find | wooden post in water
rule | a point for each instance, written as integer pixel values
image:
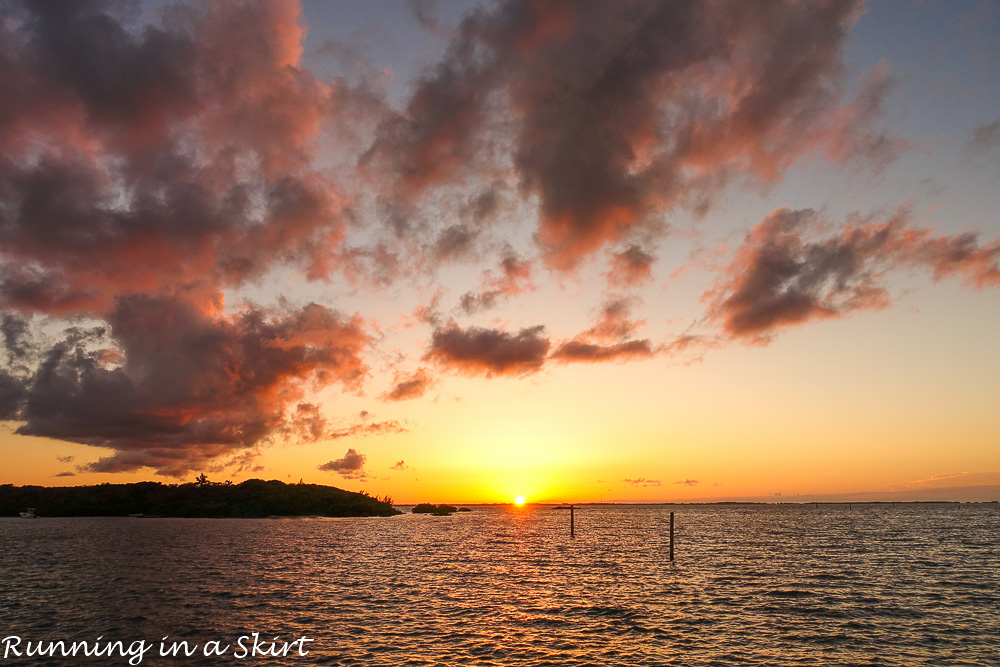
(572, 527)
(671, 536)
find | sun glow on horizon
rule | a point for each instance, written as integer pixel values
(519, 500)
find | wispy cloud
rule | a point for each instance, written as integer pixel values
(786, 273)
(641, 481)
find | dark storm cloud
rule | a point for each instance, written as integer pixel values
(622, 110)
(15, 336)
(351, 466)
(31, 289)
(174, 155)
(142, 171)
(489, 352)
(12, 391)
(782, 275)
(192, 385)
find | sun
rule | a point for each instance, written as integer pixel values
(519, 500)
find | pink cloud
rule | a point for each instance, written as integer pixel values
(191, 386)
(489, 352)
(786, 274)
(407, 387)
(608, 339)
(677, 101)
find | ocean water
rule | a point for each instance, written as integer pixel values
(751, 585)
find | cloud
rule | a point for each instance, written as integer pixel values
(15, 335)
(778, 278)
(575, 350)
(454, 242)
(951, 480)
(408, 387)
(178, 154)
(489, 352)
(514, 279)
(984, 138)
(143, 171)
(853, 137)
(65, 459)
(784, 274)
(423, 12)
(607, 340)
(615, 323)
(351, 466)
(67, 473)
(616, 113)
(149, 170)
(192, 386)
(630, 267)
(371, 428)
(687, 482)
(641, 481)
(400, 465)
(12, 391)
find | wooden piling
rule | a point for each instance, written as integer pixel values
(572, 527)
(671, 536)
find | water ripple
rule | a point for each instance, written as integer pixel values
(753, 585)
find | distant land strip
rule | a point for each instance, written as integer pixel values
(254, 498)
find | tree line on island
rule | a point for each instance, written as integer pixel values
(254, 498)
(438, 510)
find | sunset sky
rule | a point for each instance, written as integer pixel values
(575, 251)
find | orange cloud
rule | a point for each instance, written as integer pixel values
(782, 275)
(678, 101)
(191, 387)
(489, 352)
(181, 156)
(608, 339)
(409, 387)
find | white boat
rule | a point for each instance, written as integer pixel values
(29, 513)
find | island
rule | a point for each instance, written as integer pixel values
(436, 510)
(254, 498)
